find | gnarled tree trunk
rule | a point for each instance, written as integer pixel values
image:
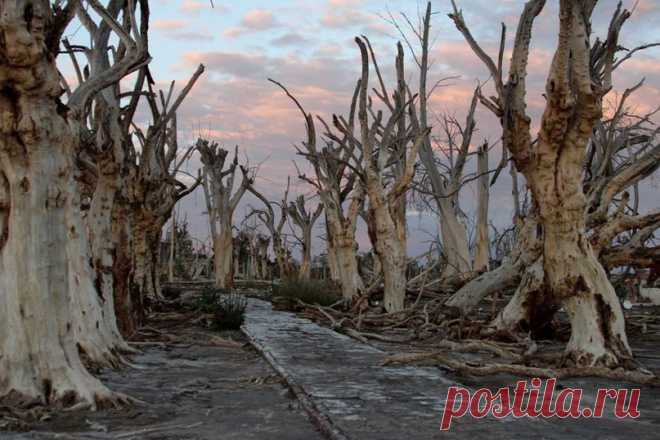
(41, 223)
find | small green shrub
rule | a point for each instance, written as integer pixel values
(230, 312)
(209, 299)
(323, 293)
(227, 308)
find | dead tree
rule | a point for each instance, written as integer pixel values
(50, 308)
(445, 186)
(221, 202)
(334, 181)
(154, 185)
(379, 150)
(305, 221)
(443, 176)
(100, 156)
(567, 271)
(275, 227)
(482, 252)
(263, 243)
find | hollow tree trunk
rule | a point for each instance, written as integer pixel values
(580, 283)
(531, 308)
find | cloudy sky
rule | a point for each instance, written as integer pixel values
(308, 45)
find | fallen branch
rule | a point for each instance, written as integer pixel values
(479, 369)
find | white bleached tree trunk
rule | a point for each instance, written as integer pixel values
(275, 228)
(342, 199)
(388, 226)
(221, 204)
(445, 188)
(572, 276)
(331, 252)
(44, 283)
(305, 221)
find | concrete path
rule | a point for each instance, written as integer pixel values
(191, 392)
(349, 395)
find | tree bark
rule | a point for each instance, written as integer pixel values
(349, 276)
(41, 224)
(482, 255)
(454, 241)
(223, 256)
(146, 255)
(390, 251)
(129, 306)
(331, 251)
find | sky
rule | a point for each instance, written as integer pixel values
(309, 46)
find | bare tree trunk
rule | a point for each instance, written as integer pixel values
(223, 259)
(42, 277)
(102, 248)
(305, 221)
(454, 241)
(129, 307)
(92, 305)
(508, 274)
(281, 257)
(146, 237)
(500, 279)
(306, 262)
(347, 266)
(391, 254)
(482, 256)
(580, 75)
(333, 266)
(263, 243)
(218, 184)
(170, 262)
(580, 283)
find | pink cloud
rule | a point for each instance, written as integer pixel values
(259, 19)
(194, 7)
(169, 25)
(256, 20)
